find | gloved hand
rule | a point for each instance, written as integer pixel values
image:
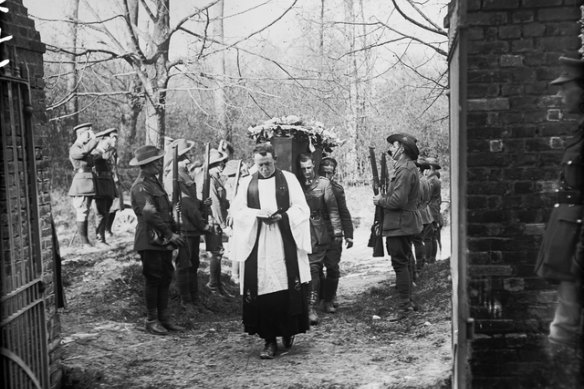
(207, 202)
(338, 239)
(349, 242)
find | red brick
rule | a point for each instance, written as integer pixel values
(533, 29)
(500, 4)
(508, 60)
(486, 18)
(540, 3)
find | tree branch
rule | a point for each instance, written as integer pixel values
(149, 11)
(188, 17)
(415, 22)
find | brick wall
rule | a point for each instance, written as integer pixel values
(25, 51)
(515, 135)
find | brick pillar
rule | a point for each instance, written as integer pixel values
(25, 51)
(515, 135)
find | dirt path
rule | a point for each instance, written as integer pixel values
(106, 347)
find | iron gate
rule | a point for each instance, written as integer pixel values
(24, 349)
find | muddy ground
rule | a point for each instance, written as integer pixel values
(105, 345)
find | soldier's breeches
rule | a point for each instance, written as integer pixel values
(102, 205)
(400, 250)
(316, 260)
(566, 327)
(157, 269)
(82, 205)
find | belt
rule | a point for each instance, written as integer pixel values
(104, 174)
(573, 197)
(83, 170)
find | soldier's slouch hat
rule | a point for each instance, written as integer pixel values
(146, 154)
(408, 142)
(433, 162)
(572, 69)
(422, 162)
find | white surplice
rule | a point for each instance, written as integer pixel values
(272, 275)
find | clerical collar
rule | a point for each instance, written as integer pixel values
(260, 177)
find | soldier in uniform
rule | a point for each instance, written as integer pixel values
(217, 220)
(155, 238)
(561, 256)
(325, 225)
(83, 186)
(402, 219)
(434, 206)
(118, 203)
(191, 225)
(327, 169)
(423, 240)
(105, 190)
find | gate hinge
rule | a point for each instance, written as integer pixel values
(470, 325)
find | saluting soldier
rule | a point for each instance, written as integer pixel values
(434, 206)
(402, 219)
(561, 257)
(325, 225)
(328, 169)
(155, 238)
(83, 186)
(105, 188)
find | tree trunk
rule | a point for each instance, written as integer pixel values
(352, 114)
(219, 98)
(72, 79)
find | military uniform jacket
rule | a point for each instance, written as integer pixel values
(345, 215)
(401, 216)
(84, 180)
(435, 198)
(104, 179)
(218, 194)
(153, 211)
(324, 212)
(424, 201)
(561, 256)
(191, 218)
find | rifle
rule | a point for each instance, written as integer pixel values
(206, 180)
(376, 238)
(237, 176)
(176, 195)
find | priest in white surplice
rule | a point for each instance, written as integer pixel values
(271, 234)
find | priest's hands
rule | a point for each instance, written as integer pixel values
(269, 217)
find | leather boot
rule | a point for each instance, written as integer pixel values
(312, 315)
(182, 283)
(215, 284)
(193, 285)
(82, 231)
(164, 318)
(330, 292)
(154, 327)
(110, 222)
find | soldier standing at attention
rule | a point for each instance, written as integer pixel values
(83, 186)
(105, 187)
(402, 219)
(118, 203)
(434, 206)
(155, 238)
(561, 256)
(217, 220)
(423, 240)
(191, 225)
(325, 225)
(328, 169)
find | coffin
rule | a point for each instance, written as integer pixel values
(288, 148)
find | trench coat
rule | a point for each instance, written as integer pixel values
(400, 204)
(325, 221)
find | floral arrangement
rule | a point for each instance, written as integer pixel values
(293, 126)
